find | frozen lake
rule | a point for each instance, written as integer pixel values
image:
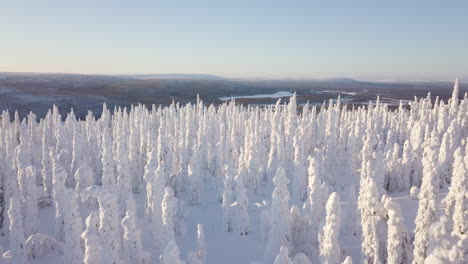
(273, 95)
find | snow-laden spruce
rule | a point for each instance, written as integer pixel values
(428, 200)
(330, 251)
(249, 182)
(92, 241)
(280, 232)
(398, 243)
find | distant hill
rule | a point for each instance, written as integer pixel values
(174, 76)
(342, 80)
(39, 91)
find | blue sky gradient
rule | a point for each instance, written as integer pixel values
(362, 39)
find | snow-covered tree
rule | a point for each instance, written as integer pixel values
(79, 157)
(169, 207)
(348, 260)
(265, 224)
(428, 202)
(330, 251)
(228, 200)
(280, 233)
(368, 203)
(201, 243)
(456, 201)
(353, 213)
(46, 171)
(454, 100)
(301, 258)
(315, 214)
(399, 242)
(283, 256)
(300, 171)
(109, 216)
(298, 230)
(414, 192)
(59, 177)
(240, 207)
(31, 222)
(109, 226)
(157, 188)
(195, 175)
(92, 241)
(126, 180)
(171, 254)
(73, 228)
(16, 235)
(132, 236)
(192, 258)
(84, 178)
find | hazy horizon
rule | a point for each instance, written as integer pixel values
(209, 75)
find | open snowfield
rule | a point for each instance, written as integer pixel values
(234, 184)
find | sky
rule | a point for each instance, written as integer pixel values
(361, 39)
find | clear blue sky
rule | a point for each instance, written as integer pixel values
(363, 39)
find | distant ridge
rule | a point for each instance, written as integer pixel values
(174, 76)
(188, 76)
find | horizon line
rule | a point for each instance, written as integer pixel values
(378, 80)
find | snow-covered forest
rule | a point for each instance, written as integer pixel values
(238, 184)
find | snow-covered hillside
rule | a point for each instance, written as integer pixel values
(233, 184)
